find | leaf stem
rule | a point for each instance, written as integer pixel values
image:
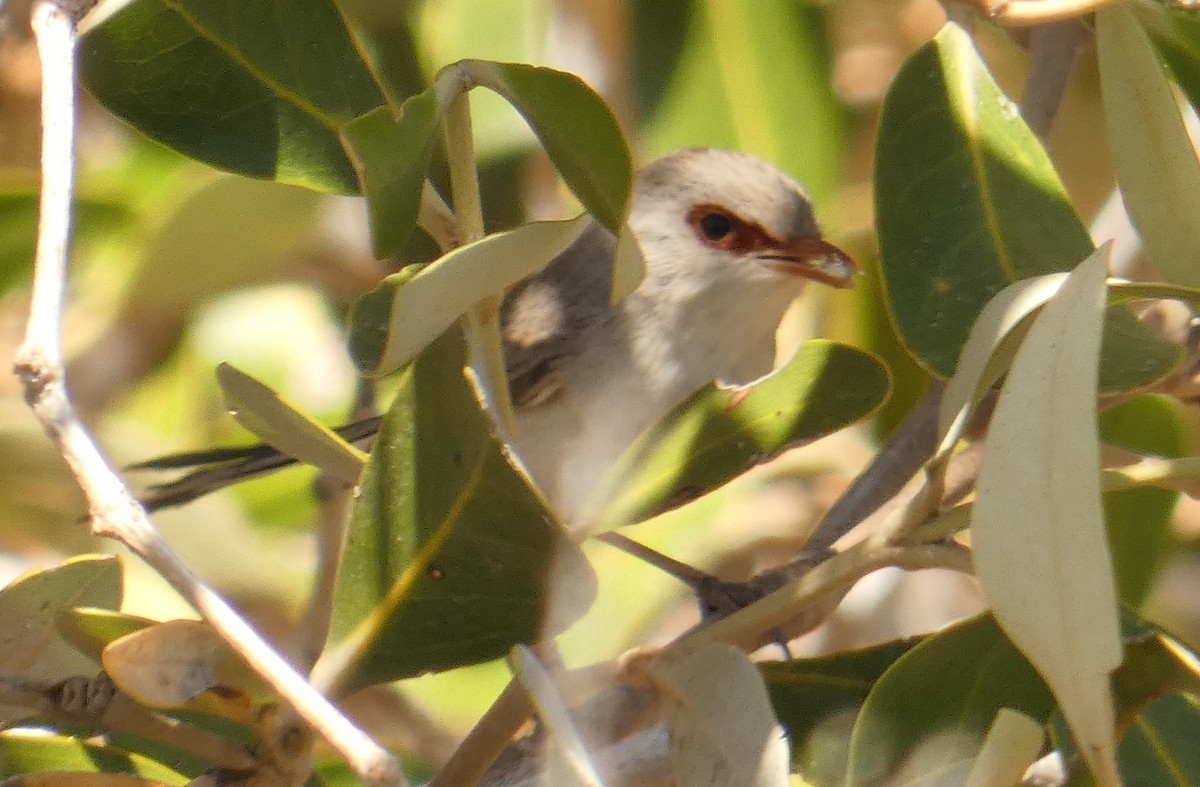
(483, 319)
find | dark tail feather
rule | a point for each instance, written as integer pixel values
(222, 467)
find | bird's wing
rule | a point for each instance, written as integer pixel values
(546, 316)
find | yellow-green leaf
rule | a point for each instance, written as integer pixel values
(275, 421)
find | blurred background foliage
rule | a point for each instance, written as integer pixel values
(178, 267)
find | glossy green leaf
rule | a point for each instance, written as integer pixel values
(1176, 34)
(282, 425)
(1139, 520)
(258, 87)
(967, 202)
(452, 558)
(816, 700)
(394, 322)
(1037, 527)
(30, 644)
(576, 128)
(719, 433)
(1155, 160)
(24, 752)
(391, 156)
(384, 34)
(929, 712)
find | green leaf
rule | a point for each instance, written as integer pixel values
(282, 425)
(576, 128)
(752, 75)
(1160, 746)
(89, 629)
(452, 558)
(816, 701)
(1139, 520)
(1155, 161)
(391, 156)
(394, 322)
(24, 752)
(719, 433)
(929, 712)
(967, 202)
(259, 87)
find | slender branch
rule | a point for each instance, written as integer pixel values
(1056, 48)
(831, 578)
(490, 735)
(113, 511)
(483, 319)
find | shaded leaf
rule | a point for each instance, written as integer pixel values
(1039, 546)
(816, 701)
(930, 711)
(718, 433)
(1160, 746)
(394, 322)
(89, 629)
(30, 644)
(280, 424)
(574, 125)
(1139, 520)
(452, 558)
(391, 156)
(259, 87)
(1155, 161)
(967, 203)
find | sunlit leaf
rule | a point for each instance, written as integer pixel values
(718, 433)
(167, 664)
(967, 202)
(90, 629)
(927, 715)
(452, 557)
(1038, 536)
(24, 752)
(1156, 163)
(391, 324)
(722, 731)
(260, 87)
(280, 424)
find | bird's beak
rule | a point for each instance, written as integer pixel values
(813, 258)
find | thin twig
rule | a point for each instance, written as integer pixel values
(113, 511)
(1056, 48)
(490, 735)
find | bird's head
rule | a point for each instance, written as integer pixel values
(707, 217)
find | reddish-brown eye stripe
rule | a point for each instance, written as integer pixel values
(744, 236)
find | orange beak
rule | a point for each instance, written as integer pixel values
(813, 258)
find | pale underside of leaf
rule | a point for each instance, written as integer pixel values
(429, 302)
(1038, 533)
(1012, 743)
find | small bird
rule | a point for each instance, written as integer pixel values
(729, 241)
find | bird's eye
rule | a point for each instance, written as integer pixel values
(715, 226)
